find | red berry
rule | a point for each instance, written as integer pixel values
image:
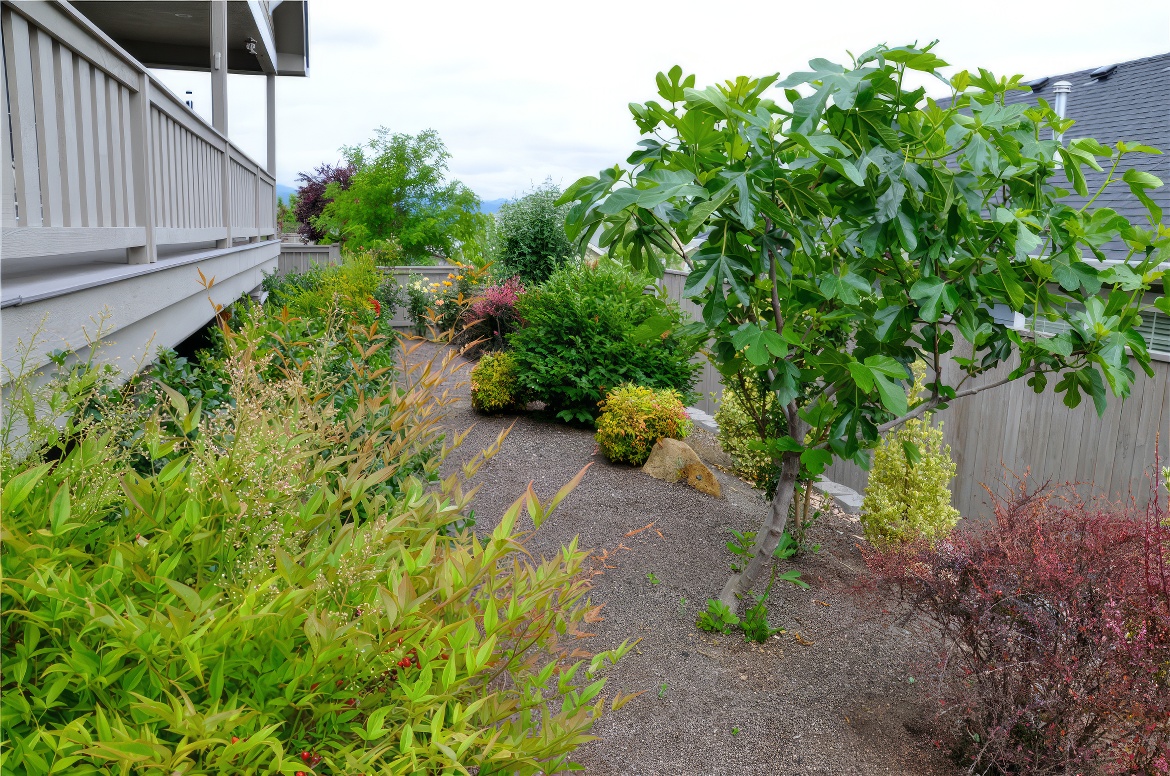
(300, 773)
(235, 739)
(314, 687)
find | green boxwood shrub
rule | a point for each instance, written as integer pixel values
(494, 386)
(633, 418)
(588, 330)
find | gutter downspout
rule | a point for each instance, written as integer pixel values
(1060, 92)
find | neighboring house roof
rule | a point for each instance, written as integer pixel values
(1131, 103)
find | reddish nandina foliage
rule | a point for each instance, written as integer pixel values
(1056, 626)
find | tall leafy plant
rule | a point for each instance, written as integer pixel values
(530, 235)
(850, 225)
(399, 189)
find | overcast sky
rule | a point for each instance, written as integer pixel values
(524, 91)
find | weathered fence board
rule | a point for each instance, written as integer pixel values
(295, 257)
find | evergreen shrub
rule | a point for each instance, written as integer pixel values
(588, 330)
(262, 602)
(633, 418)
(494, 385)
(739, 408)
(908, 495)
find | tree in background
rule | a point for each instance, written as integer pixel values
(311, 199)
(530, 239)
(399, 190)
(853, 226)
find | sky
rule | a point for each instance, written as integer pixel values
(525, 91)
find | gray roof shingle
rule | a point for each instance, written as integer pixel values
(1131, 104)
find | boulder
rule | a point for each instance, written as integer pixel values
(672, 460)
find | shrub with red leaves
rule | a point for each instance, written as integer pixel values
(1056, 633)
(492, 313)
(311, 199)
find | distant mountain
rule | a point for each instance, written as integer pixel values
(283, 192)
(491, 205)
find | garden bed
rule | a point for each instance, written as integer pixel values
(835, 694)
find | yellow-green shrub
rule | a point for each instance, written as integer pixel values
(261, 603)
(633, 418)
(738, 429)
(493, 384)
(907, 500)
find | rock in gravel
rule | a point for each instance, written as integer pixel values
(672, 460)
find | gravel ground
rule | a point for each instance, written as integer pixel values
(832, 695)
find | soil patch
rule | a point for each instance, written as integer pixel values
(835, 694)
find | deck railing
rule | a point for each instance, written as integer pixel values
(103, 156)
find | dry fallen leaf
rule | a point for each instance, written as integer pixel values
(640, 530)
(801, 639)
(822, 603)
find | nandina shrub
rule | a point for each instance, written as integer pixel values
(633, 418)
(1055, 622)
(261, 604)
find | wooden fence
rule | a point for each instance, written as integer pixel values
(104, 157)
(1013, 429)
(297, 257)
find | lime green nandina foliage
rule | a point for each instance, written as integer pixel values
(589, 329)
(399, 190)
(849, 225)
(263, 605)
(494, 384)
(633, 418)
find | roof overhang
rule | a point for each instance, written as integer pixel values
(176, 34)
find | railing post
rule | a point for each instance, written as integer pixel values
(256, 206)
(143, 172)
(219, 115)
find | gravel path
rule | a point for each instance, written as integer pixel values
(833, 695)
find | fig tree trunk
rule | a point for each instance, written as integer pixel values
(769, 535)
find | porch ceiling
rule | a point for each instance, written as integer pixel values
(176, 34)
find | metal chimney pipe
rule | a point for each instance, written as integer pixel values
(1060, 92)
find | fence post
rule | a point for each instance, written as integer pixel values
(142, 168)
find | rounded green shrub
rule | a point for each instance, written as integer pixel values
(633, 418)
(494, 387)
(588, 330)
(738, 429)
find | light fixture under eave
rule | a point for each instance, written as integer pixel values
(1101, 73)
